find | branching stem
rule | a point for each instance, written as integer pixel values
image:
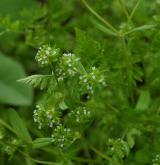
(99, 17)
(134, 9)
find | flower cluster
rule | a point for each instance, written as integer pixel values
(67, 66)
(11, 145)
(118, 148)
(45, 116)
(156, 160)
(46, 55)
(62, 137)
(64, 67)
(80, 114)
(91, 80)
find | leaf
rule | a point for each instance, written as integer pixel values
(41, 142)
(14, 7)
(3, 32)
(141, 28)
(81, 68)
(41, 81)
(87, 48)
(18, 126)
(102, 28)
(62, 105)
(131, 136)
(144, 100)
(12, 92)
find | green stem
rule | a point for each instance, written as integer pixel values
(128, 67)
(100, 154)
(37, 161)
(99, 17)
(83, 160)
(7, 126)
(134, 9)
(112, 108)
(54, 73)
(124, 9)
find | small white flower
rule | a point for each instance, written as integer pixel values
(93, 68)
(47, 52)
(85, 80)
(93, 77)
(61, 145)
(80, 77)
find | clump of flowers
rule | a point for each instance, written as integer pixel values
(46, 55)
(80, 114)
(45, 116)
(117, 149)
(91, 80)
(62, 136)
(156, 160)
(65, 67)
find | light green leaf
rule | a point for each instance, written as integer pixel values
(131, 136)
(144, 100)
(18, 126)
(81, 68)
(141, 28)
(41, 81)
(41, 142)
(11, 91)
(62, 105)
(102, 28)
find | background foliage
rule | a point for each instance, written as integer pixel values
(121, 38)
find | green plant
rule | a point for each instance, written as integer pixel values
(97, 98)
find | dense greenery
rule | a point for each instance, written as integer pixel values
(80, 82)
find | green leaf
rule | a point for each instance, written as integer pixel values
(62, 105)
(102, 28)
(144, 100)
(81, 69)
(87, 48)
(18, 126)
(41, 142)
(14, 7)
(131, 136)
(141, 28)
(41, 81)
(11, 91)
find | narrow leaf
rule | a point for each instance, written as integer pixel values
(102, 28)
(18, 126)
(144, 100)
(41, 142)
(141, 28)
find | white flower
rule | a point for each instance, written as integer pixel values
(94, 77)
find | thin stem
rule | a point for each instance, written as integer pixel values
(134, 9)
(83, 160)
(54, 73)
(112, 107)
(7, 126)
(38, 161)
(124, 9)
(98, 16)
(100, 154)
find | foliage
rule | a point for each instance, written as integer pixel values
(95, 73)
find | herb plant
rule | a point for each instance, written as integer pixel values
(96, 90)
